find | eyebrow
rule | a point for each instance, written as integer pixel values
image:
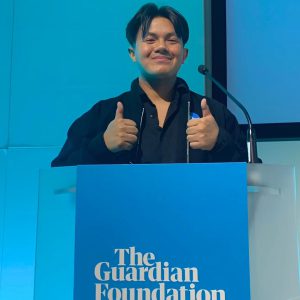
(168, 35)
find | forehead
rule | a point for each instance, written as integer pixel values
(161, 26)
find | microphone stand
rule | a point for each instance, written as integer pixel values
(251, 136)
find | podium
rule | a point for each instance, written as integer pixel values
(198, 231)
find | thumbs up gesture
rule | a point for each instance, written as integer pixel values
(202, 133)
(121, 134)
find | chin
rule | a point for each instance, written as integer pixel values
(162, 74)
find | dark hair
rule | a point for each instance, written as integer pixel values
(143, 18)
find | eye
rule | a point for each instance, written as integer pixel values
(173, 41)
(149, 40)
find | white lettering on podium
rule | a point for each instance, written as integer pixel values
(133, 266)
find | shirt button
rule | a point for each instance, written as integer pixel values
(151, 116)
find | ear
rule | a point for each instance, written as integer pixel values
(132, 54)
(185, 54)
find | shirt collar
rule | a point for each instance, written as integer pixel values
(181, 87)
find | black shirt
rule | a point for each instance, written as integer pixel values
(85, 143)
(163, 144)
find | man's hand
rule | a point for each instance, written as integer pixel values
(121, 134)
(202, 133)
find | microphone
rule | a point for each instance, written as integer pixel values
(251, 136)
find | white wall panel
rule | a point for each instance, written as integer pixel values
(282, 153)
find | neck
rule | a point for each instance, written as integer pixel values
(158, 89)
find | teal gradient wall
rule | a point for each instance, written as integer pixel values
(57, 59)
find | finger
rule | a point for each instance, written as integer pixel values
(119, 111)
(131, 130)
(123, 127)
(130, 138)
(196, 145)
(193, 122)
(197, 126)
(205, 109)
(127, 146)
(193, 137)
(194, 130)
(128, 122)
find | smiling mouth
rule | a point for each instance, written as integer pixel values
(162, 58)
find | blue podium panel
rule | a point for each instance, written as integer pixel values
(162, 232)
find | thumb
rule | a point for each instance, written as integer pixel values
(119, 111)
(205, 109)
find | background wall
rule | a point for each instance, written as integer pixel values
(57, 59)
(263, 45)
(263, 70)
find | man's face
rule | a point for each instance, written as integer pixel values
(160, 53)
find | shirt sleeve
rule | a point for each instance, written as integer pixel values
(85, 143)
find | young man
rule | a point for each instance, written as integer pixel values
(152, 122)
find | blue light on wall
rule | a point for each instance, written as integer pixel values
(58, 59)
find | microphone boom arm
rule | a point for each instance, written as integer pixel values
(251, 136)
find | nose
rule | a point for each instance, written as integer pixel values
(161, 46)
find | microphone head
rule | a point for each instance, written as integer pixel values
(202, 69)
